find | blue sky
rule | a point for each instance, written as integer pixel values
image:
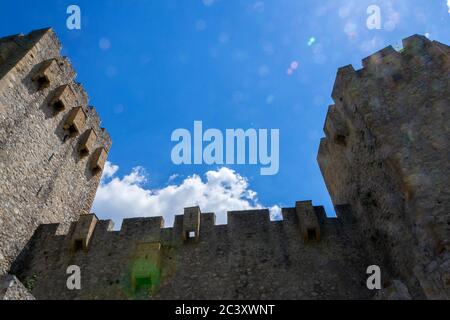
(151, 67)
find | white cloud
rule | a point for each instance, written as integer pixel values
(448, 5)
(220, 191)
(109, 170)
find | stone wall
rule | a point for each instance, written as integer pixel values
(249, 258)
(47, 173)
(386, 155)
(385, 162)
(12, 289)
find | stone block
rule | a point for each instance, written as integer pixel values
(87, 142)
(191, 224)
(98, 160)
(46, 74)
(307, 218)
(76, 121)
(83, 231)
(62, 98)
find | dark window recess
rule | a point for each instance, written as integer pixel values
(340, 140)
(397, 77)
(58, 106)
(84, 152)
(72, 131)
(78, 245)
(96, 170)
(312, 235)
(42, 82)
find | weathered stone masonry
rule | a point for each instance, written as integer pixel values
(251, 257)
(385, 160)
(50, 141)
(387, 155)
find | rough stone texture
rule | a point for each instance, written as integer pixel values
(249, 258)
(43, 177)
(386, 156)
(385, 160)
(396, 291)
(12, 289)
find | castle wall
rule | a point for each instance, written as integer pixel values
(44, 176)
(249, 258)
(384, 159)
(386, 156)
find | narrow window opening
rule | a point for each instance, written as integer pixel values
(78, 245)
(96, 170)
(43, 82)
(58, 106)
(340, 140)
(397, 77)
(312, 235)
(190, 235)
(84, 152)
(73, 131)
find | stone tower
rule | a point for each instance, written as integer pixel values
(386, 156)
(52, 150)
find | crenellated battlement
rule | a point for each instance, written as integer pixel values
(384, 72)
(196, 251)
(388, 67)
(193, 226)
(384, 154)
